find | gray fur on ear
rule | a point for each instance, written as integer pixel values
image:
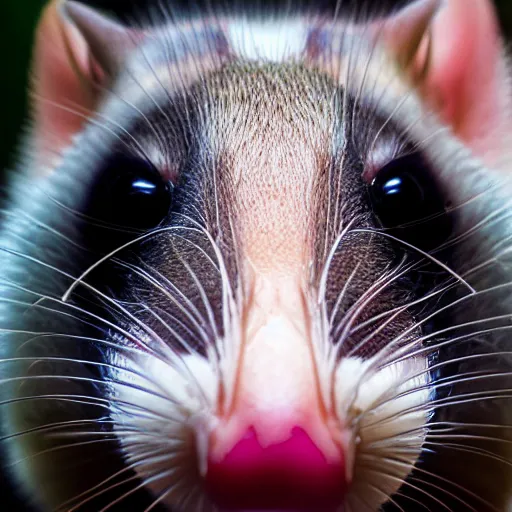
(109, 42)
(405, 32)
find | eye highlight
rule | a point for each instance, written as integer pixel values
(131, 193)
(406, 199)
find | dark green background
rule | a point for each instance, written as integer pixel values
(17, 21)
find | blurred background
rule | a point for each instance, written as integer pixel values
(18, 19)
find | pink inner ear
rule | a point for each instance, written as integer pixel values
(57, 83)
(466, 78)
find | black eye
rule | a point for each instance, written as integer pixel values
(131, 193)
(406, 199)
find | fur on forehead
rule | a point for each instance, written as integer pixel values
(269, 169)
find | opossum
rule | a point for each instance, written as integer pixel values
(261, 262)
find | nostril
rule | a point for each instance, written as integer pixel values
(291, 475)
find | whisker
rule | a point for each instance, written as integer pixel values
(97, 494)
(126, 469)
(184, 344)
(362, 303)
(423, 253)
(204, 296)
(415, 501)
(461, 399)
(399, 462)
(100, 294)
(384, 495)
(144, 460)
(95, 122)
(108, 256)
(392, 343)
(122, 331)
(59, 448)
(469, 449)
(342, 294)
(402, 308)
(159, 499)
(414, 487)
(439, 384)
(87, 339)
(142, 485)
(74, 317)
(324, 273)
(191, 312)
(92, 380)
(56, 426)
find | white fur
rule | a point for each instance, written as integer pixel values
(385, 445)
(178, 421)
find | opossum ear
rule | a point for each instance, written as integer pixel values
(406, 35)
(458, 67)
(76, 50)
(108, 41)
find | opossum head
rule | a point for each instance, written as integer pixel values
(262, 265)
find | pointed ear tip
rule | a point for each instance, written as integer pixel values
(416, 14)
(425, 3)
(71, 8)
(78, 13)
(426, 6)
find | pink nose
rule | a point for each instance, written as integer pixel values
(292, 475)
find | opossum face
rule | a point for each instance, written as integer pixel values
(261, 267)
